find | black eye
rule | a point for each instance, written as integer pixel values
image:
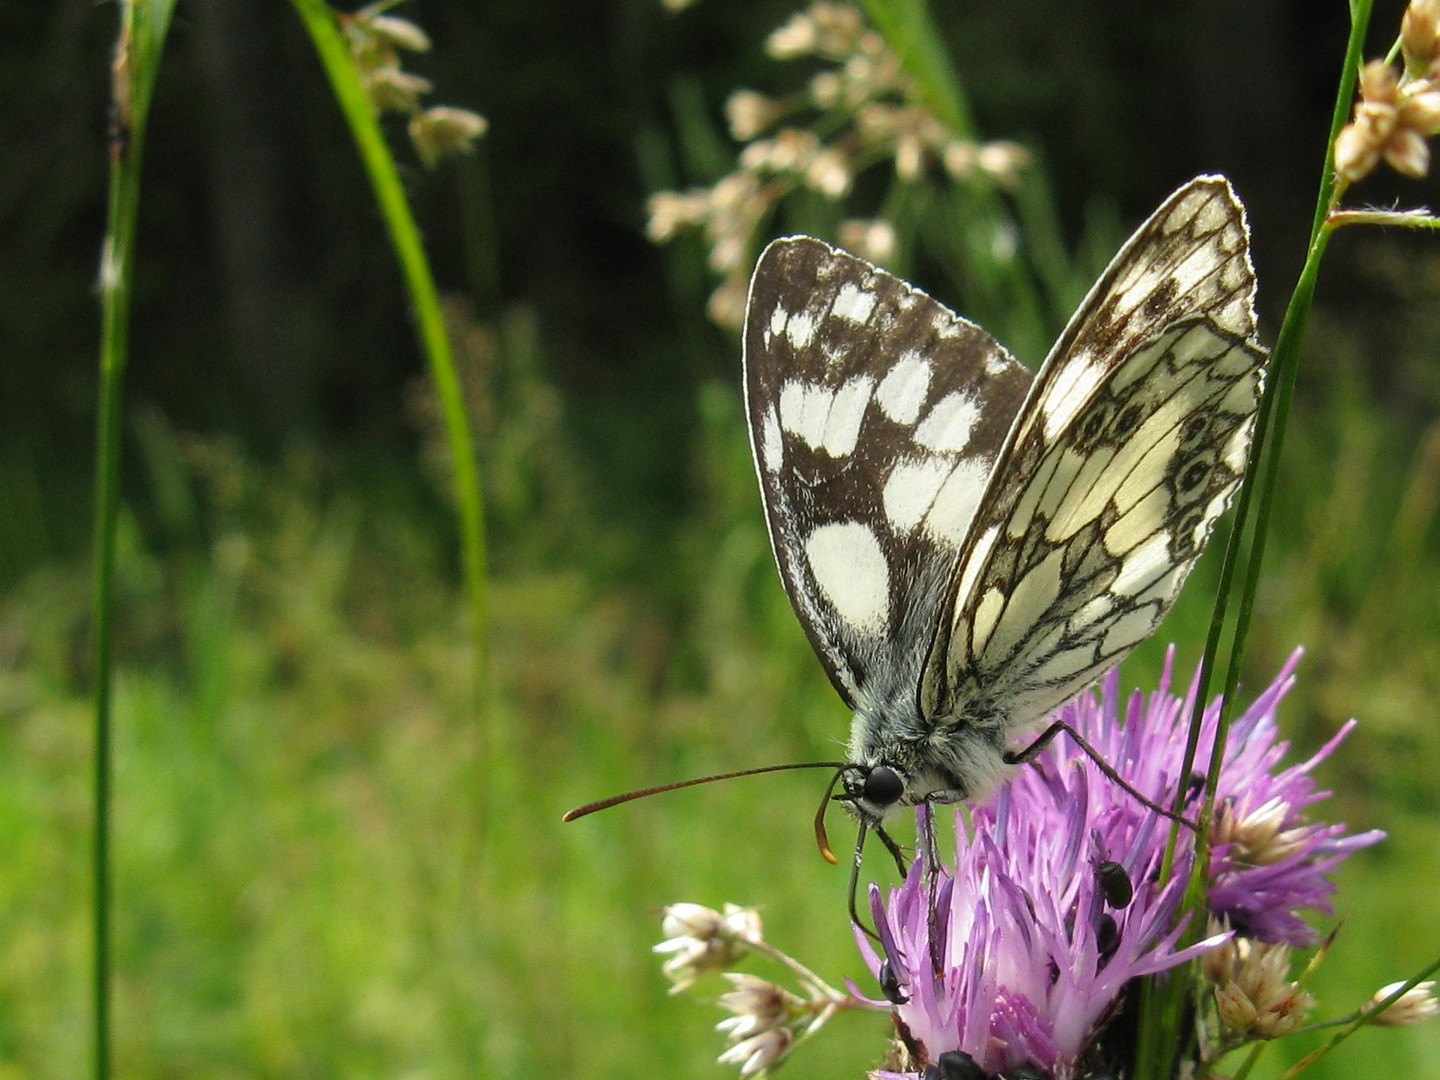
(882, 786)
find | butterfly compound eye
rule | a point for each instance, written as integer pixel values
(883, 786)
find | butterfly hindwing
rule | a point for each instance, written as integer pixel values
(875, 418)
(1127, 449)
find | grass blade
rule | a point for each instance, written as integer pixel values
(143, 27)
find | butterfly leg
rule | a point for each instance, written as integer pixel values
(896, 852)
(930, 848)
(855, 880)
(1031, 752)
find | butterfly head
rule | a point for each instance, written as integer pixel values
(900, 760)
(873, 792)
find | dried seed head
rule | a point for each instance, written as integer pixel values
(798, 37)
(1254, 996)
(792, 150)
(393, 90)
(1378, 82)
(1412, 1007)
(1420, 35)
(1394, 116)
(726, 306)
(749, 113)
(1356, 152)
(734, 194)
(909, 156)
(671, 210)
(1003, 161)
(1407, 153)
(759, 1006)
(759, 1051)
(702, 940)
(1218, 965)
(826, 89)
(1237, 1012)
(1258, 837)
(960, 158)
(871, 112)
(401, 33)
(727, 252)
(442, 131)
(1420, 109)
(839, 29)
(829, 173)
(873, 239)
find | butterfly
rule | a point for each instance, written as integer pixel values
(967, 547)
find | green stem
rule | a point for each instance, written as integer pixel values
(143, 27)
(976, 215)
(320, 22)
(1285, 363)
(1364, 1017)
(912, 35)
(1251, 1060)
(1162, 1003)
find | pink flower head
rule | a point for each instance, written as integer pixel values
(1033, 958)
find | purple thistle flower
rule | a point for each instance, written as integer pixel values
(1033, 960)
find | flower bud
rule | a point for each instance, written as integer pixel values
(442, 131)
(1407, 152)
(1420, 35)
(1412, 1007)
(401, 33)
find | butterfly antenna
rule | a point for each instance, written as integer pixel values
(631, 796)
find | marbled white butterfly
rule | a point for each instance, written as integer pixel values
(968, 548)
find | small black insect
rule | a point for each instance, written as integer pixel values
(890, 985)
(1114, 884)
(1107, 937)
(954, 1065)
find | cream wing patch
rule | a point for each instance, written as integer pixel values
(901, 393)
(950, 423)
(851, 570)
(826, 419)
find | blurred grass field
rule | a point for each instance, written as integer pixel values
(330, 863)
(327, 868)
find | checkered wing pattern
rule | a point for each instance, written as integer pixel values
(876, 416)
(1129, 446)
(967, 548)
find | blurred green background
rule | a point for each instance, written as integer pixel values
(327, 863)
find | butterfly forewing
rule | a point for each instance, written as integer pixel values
(1128, 447)
(875, 419)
